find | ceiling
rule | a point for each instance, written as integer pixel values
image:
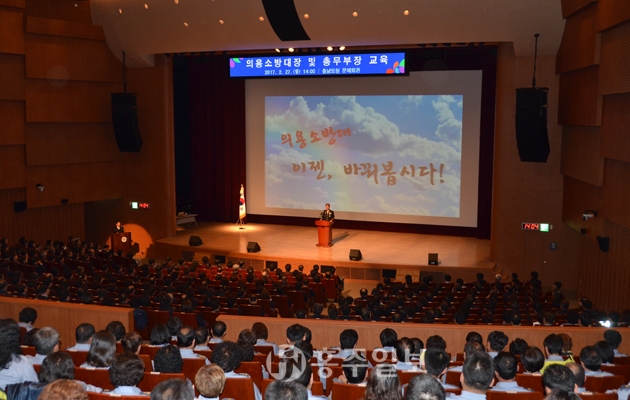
(143, 28)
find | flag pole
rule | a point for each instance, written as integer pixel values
(242, 211)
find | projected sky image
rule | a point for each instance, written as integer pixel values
(390, 154)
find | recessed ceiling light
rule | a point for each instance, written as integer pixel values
(277, 50)
(291, 49)
(305, 16)
(176, 1)
(185, 23)
(342, 48)
(329, 48)
(406, 12)
(261, 18)
(146, 6)
(354, 14)
(221, 21)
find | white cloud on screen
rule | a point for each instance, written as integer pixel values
(450, 128)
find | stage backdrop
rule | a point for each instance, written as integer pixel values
(211, 142)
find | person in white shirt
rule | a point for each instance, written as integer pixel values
(102, 350)
(436, 363)
(497, 341)
(173, 389)
(210, 382)
(202, 335)
(477, 376)
(388, 338)
(354, 370)
(506, 366)
(228, 356)
(218, 332)
(27, 318)
(46, 341)
(126, 371)
(580, 378)
(14, 367)
(592, 361)
(186, 344)
(558, 376)
(614, 338)
(83, 335)
(262, 334)
(404, 351)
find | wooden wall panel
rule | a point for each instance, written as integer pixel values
(55, 27)
(11, 77)
(578, 197)
(579, 102)
(579, 47)
(11, 32)
(12, 167)
(612, 13)
(13, 3)
(616, 192)
(614, 73)
(39, 224)
(571, 6)
(51, 101)
(580, 154)
(70, 58)
(75, 11)
(615, 132)
(604, 277)
(12, 122)
(76, 182)
(57, 143)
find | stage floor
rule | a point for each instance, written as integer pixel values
(403, 252)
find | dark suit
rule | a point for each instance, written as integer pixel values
(327, 215)
(119, 230)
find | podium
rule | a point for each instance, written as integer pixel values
(121, 241)
(324, 233)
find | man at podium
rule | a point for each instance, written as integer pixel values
(327, 214)
(119, 228)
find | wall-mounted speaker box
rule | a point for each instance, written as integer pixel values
(195, 241)
(389, 273)
(433, 258)
(531, 124)
(125, 121)
(355, 255)
(19, 206)
(327, 268)
(604, 243)
(271, 265)
(253, 247)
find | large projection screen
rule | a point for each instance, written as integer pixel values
(383, 149)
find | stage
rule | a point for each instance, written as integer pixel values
(403, 252)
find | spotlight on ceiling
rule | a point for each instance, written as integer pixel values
(277, 50)
(329, 48)
(291, 50)
(342, 48)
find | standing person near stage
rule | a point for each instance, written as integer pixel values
(327, 214)
(118, 228)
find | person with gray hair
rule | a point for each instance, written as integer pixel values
(173, 389)
(286, 390)
(46, 341)
(424, 387)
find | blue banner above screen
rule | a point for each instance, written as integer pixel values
(283, 66)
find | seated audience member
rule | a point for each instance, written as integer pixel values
(210, 381)
(168, 360)
(64, 389)
(126, 371)
(217, 332)
(186, 344)
(477, 375)
(173, 389)
(474, 336)
(262, 334)
(383, 384)
(46, 341)
(567, 347)
(131, 342)
(388, 338)
(592, 361)
(117, 328)
(553, 351)
(14, 367)
(560, 394)
(436, 363)
(285, 390)
(295, 333)
(102, 350)
(83, 335)
(348, 339)
(580, 377)
(202, 335)
(606, 351)
(160, 336)
(505, 368)
(518, 346)
(470, 347)
(27, 318)
(27, 338)
(558, 376)
(424, 387)
(404, 351)
(302, 374)
(614, 338)
(354, 370)
(174, 324)
(497, 341)
(228, 356)
(533, 360)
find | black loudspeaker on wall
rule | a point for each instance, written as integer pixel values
(253, 247)
(355, 254)
(433, 259)
(195, 241)
(531, 124)
(19, 206)
(604, 243)
(125, 121)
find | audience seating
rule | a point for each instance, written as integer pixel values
(98, 377)
(491, 395)
(253, 369)
(78, 357)
(341, 391)
(600, 384)
(531, 381)
(108, 396)
(405, 376)
(148, 365)
(239, 389)
(191, 366)
(621, 361)
(28, 350)
(151, 379)
(151, 351)
(452, 377)
(623, 370)
(598, 396)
